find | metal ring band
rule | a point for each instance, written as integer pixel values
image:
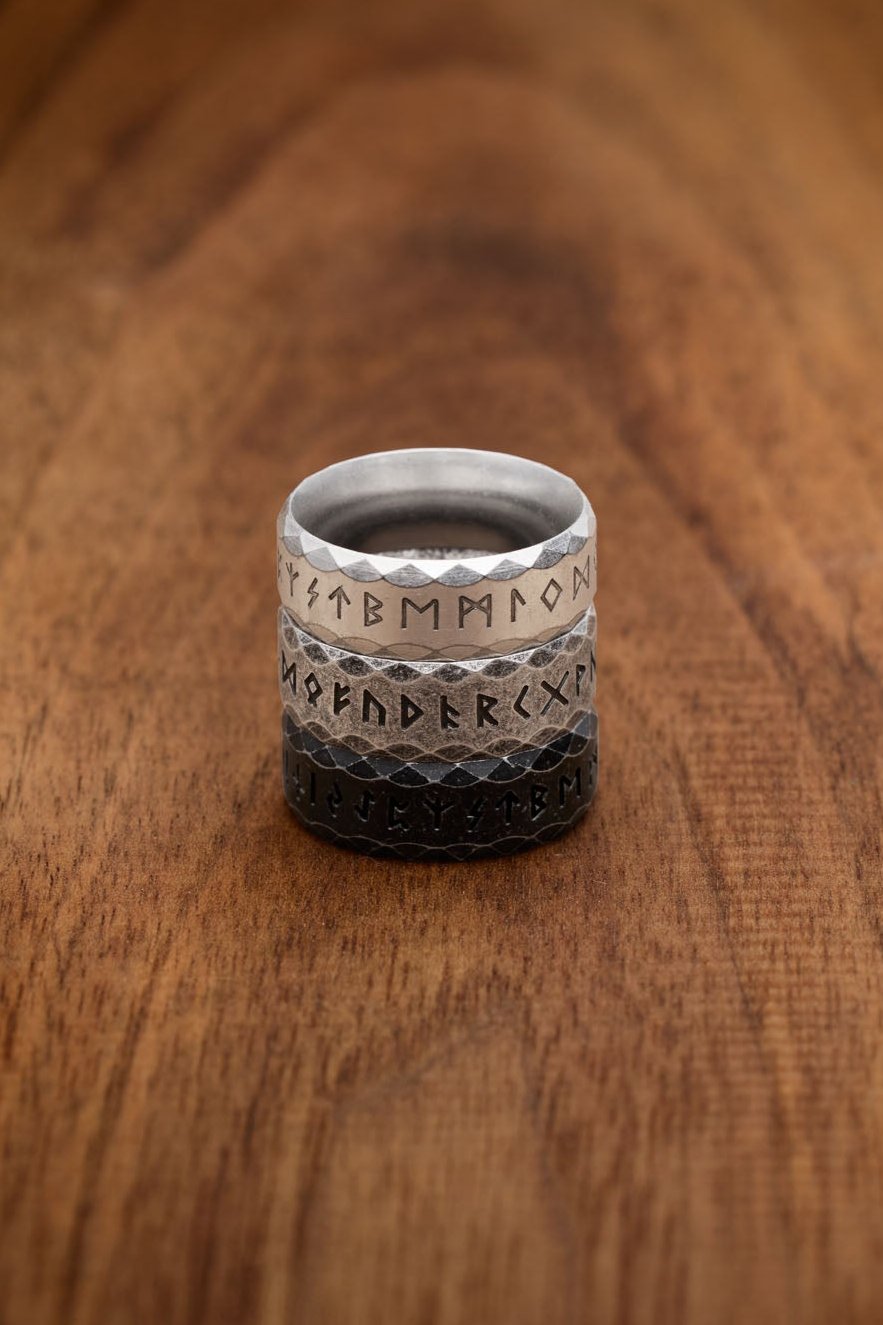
(423, 554)
(437, 810)
(437, 710)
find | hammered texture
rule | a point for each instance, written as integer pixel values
(440, 710)
(432, 809)
(427, 772)
(455, 851)
(412, 573)
(437, 703)
(472, 618)
(453, 752)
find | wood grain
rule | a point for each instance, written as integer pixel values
(635, 1077)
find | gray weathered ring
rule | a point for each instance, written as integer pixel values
(519, 537)
(437, 710)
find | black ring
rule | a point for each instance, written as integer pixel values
(437, 810)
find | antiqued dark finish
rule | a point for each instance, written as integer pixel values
(632, 1077)
(437, 810)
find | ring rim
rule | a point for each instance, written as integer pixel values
(326, 554)
(462, 605)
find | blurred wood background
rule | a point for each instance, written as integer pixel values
(635, 1077)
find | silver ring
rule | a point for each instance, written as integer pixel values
(437, 710)
(436, 553)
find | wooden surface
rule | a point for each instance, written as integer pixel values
(635, 1077)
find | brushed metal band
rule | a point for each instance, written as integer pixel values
(447, 711)
(436, 553)
(433, 810)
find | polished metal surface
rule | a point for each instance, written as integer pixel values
(436, 553)
(437, 653)
(437, 709)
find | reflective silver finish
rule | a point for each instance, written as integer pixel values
(436, 553)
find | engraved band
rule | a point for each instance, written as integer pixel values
(436, 553)
(432, 809)
(437, 710)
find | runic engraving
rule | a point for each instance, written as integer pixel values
(313, 591)
(411, 712)
(359, 801)
(514, 599)
(550, 595)
(340, 595)
(554, 693)
(474, 813)
(507, 803)
(363, 807)
(581, 577)
(289, 674)
(484, 605)
(432, 604)
(396, 812)
(295, 774)
(578, 679)
(372, 609)
(518, 706)
(341, 693)
(278, 565)
(483, 706)
(565, 784)
(370, 701)
(313, 687)
(448, 714)
(437, 807)
(292, 576)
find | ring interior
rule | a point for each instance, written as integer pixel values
(436, 502)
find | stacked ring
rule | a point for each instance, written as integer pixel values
(438, 710)
(435, 809)
(436, 668)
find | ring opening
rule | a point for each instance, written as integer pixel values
(436, 502)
